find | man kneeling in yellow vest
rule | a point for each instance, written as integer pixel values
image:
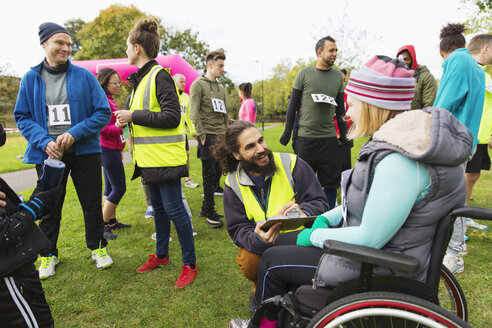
(261, 184)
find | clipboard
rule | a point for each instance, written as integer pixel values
(289, 223)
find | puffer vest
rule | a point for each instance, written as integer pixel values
(416, 235)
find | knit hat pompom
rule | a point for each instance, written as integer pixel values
(383, 82)
(47, 30)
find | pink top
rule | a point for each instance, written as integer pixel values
(247, 112)
(110, 134)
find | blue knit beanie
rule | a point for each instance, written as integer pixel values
(46, 30)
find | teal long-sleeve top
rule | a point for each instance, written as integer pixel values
(398, 184)
(462, 89)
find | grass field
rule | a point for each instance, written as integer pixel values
(82, 296)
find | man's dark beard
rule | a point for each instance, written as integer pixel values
(251, 167)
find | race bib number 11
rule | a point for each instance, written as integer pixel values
(59, 114)
(319, 97)
(218, 105)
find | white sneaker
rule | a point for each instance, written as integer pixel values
(154, 237)
(190, 184)
(101, 257)
(47, 267)
(455, 264)
(194, 231)
(149, 213)
(475, 225)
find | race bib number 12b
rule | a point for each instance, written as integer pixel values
(59, 114)
(218, 105)
(319, 97)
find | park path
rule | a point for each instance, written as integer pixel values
(26, 179)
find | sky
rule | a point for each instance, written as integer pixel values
(257, 35)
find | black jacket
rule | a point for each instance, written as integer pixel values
(168, 118)
(20, 238)
(309, 196)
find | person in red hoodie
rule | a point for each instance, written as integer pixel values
(112, 144)
(425, 83)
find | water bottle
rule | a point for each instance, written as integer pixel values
(51, 173)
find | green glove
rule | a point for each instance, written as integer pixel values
(304, 238)
(321, 222)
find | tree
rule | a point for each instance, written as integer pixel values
(73, 26)
(105, 36)
(187, 45)
(478, 13)
(9, 88)
(351, 40)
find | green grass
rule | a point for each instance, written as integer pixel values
(82, 296)
(15, 146)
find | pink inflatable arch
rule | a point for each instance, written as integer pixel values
(174, 62)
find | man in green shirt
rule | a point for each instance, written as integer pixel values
(317, 94)
(208, 111)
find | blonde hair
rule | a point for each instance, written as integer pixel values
(370, 120)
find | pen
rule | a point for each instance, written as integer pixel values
(293, 196)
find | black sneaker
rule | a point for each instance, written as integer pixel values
(119, 225)
(108, 234)
(215, 222)
(215, 214)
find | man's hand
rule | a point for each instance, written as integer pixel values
(65, 141)
(270, 235)
(123, 116)
(52, 150)
(2, 202)
(289, 206)
(120, 125)
(490, 142)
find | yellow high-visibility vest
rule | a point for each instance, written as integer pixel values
(280, 193)
(155, 147)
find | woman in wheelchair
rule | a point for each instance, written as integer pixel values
(408, 175)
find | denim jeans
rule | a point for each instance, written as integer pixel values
(167, 201)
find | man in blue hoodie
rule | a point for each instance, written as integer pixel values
(60, 110)
(462, 92)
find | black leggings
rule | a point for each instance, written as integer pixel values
(282, 267)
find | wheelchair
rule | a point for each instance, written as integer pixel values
(381, 301)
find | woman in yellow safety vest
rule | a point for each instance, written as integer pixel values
(158, 143)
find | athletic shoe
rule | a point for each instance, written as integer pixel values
(475, 225)
(154, 237)
(152, 263)
(219, 191)
(150, 212)
(215, 222)
(194, 231)
(108, 234)
(455, 264)
(119, 225)
(186, 277)
(466, 238)
(239, 323)
(202, 214)
(190, 184)
(102, 259)
(47, 267)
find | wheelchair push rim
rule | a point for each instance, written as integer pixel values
(384, 310)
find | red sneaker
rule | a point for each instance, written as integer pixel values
(152, 263)
(186, 277)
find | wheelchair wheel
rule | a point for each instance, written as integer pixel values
(384, 310)
(451, 296)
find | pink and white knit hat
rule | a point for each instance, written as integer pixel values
(383, 82)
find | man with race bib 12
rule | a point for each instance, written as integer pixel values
(208, 112)
(317, 93)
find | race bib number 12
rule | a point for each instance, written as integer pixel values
(59, 114)
(218, 105)
(319, 97)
